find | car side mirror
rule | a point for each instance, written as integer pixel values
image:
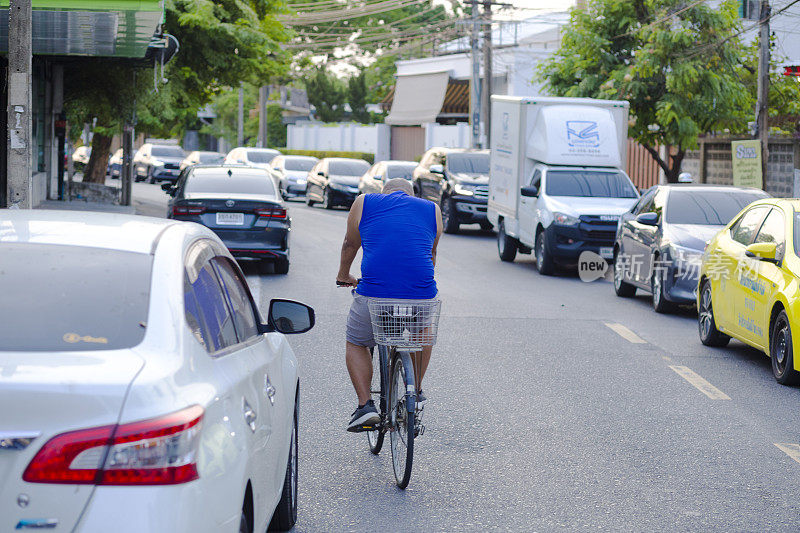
(647, 219)
(288, 317)
(531, 191)
(437, 169)
(320, 173)
(763, 251)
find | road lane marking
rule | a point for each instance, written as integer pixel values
(625, 333)
(699, 383)
(665, 358)
(790, 449)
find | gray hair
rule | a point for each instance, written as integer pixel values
(398, 184)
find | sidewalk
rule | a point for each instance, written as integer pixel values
(80, 205)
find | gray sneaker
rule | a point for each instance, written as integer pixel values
(365, 418)
(421, 399)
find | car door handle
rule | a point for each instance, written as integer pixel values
(250, 415)
(269, 390)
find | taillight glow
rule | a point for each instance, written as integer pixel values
(270, 212)
(160, 451)
(187, 210)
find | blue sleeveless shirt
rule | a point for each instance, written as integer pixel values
(397, 234)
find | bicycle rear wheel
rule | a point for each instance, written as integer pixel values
(402, 419)
(375, 438)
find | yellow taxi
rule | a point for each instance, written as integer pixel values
(748, 284)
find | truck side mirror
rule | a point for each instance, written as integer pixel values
(437, 169)
(531, 191)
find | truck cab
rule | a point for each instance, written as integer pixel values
(556, 184)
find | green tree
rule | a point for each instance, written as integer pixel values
(222, 42)
(276, 129)
(679, 65)
(357, 98)
(784, 92)
(326, 93)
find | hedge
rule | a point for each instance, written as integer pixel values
(366, 156)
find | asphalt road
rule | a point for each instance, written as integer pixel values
(553, 406)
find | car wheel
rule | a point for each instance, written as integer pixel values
(621, 287)
(285, 515)
(781, 351)
(150, 178)
(309, 201)
(282, 265)
(709, 334)
(660, 302)
(544, 262)
(506, 246)
(486, 225)
(327, 203)
(449, 217)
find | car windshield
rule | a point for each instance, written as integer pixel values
(168, 151)
(219, 181)
(297, 163)
(261, 156)
(589, 183)
(94, 299)
(468, 163)
(400, 171)
(348, 168)
(715, 208)
(211, 158)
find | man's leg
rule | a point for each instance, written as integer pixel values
(359, 365)
(421, 360)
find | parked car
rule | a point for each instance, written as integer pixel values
(749, 284)
(80, 157)
(457, 180)
(254, 157)
(290, 173)
(660, 241)
(157, 162)
(334, 181)
(161, 400)
(115, 164)
(372, 181)
(199, 157)
(241, 205)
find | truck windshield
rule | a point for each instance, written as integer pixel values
(468, 163)
(589, 183)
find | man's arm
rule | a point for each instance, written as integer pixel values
(438, 232)
(351, 244)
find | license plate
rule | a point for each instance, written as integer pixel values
(607, 252)
(230, 219)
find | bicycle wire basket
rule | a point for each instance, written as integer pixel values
(404, 324)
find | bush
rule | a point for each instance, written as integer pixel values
(366, 156)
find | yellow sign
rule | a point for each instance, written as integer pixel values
(746, 157)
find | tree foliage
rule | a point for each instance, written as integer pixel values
(679, 65)
(357, 98)
(327, 94)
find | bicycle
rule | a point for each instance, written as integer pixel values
(399, 327)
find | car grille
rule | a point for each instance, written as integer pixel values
(594, 228)
(173, 166)
(481, 192)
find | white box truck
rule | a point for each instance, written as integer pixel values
(556, 183)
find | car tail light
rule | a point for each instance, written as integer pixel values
(270, 212)
(187, 210)
(159, 451)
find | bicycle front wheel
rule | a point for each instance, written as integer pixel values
(401, 431)
(375, 437)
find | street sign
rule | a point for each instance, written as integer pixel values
(746, 161)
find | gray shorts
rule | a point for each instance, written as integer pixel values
(359, 326)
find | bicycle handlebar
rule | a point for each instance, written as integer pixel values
(343, 284)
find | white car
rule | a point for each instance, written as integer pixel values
(81, 155)
(289, 173)
(199, 157)
(160, 401)
(254, 157)
(115, 164)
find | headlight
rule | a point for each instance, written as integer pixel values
(681, 254)
(465, 190)
(563, 219)
(157, 163)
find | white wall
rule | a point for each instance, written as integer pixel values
(455, 136)
(373, 139)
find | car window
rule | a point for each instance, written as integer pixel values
(167, 151)
(348, 168)
(716, 207)
(772, 230)
(398, 171)
(241, 181)
(244, 315)
(589, 183)
(261, 156)
(468, 163)
(299, 163)
(536, 180)
(645, 203)
(72, 298)
(746, 227)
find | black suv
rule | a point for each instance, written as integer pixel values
(457, 180)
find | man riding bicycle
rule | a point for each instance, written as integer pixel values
(398, 234)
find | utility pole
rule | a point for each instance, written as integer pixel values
(20, 59)
(474, 92)
(263, 96)
(762, 105)
(486, 90)
(240, 117)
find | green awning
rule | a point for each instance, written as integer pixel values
(112, 28)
